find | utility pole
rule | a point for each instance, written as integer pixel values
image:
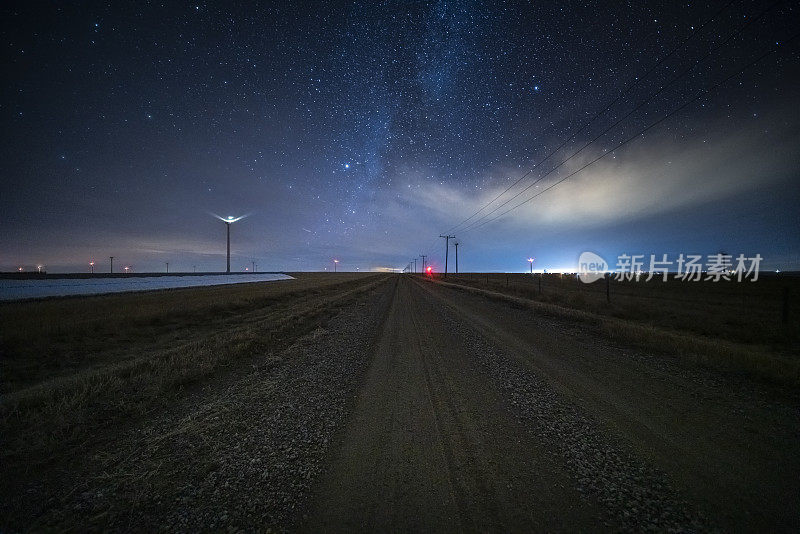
(423, 256)
(167, 266)
(254, 265)
(456, 245)
(414, 265)
(447, 239)
(112, 264)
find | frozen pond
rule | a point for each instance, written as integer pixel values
(59, 287)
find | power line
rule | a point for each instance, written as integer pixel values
(641, 132)
(733, 35)
(625, 91)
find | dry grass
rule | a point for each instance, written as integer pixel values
(78, 366)
(57, 337)
(662, 328)
(744, 312)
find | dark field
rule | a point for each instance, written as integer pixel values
(744, 312)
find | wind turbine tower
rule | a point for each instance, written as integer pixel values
(230, 219)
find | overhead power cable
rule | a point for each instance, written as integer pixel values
(701, 94)
(624, 92)
(631, 112)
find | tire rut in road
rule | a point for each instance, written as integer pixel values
(388, 468)
(506, 481)
(633, 495)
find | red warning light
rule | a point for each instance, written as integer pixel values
(429, 270)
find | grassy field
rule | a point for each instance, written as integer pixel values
(49, 338)
(73, 366)
(747, 312)
(736, 325)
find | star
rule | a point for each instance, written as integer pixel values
(440, 107)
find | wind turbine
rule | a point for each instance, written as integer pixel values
(230, 219)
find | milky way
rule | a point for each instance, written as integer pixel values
(363, 130)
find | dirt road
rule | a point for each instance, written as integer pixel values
(417, 407)
(430, 447)
(478, 417)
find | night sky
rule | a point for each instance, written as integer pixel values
(363, 130)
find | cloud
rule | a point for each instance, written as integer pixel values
(656, 175)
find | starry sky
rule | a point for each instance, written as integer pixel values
(362, 131)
